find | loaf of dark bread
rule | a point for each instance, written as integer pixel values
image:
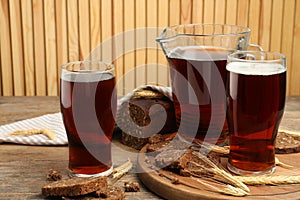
(146, 113)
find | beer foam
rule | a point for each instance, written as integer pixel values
(248, 68)
(87, 77)
(200, 53)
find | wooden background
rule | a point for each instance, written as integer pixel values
(38, 36)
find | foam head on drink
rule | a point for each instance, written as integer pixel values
(88, 102)
(256, 98)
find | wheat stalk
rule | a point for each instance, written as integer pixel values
(268, 180)
(123, 169)
(225, 151)
(281, 164)
(227, 176)
(227, 189)
(211, 147)
(50, 134)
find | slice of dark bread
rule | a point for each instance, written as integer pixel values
(74, 186)
(173, 159)
(109, 193)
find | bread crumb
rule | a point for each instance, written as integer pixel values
(132, 187)
(53, 175)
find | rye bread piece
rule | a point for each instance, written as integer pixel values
(131, 186)
(197, 167)
(111, 193)
(173, 159)
(74, 186)
(185, 162)
(54, 175)
(286, 143)
(140, 117)
(159, 142)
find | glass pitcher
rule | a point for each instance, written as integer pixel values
(197, 56)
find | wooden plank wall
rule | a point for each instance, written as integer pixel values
(38, 36)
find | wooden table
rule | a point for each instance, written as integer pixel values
(24, 168)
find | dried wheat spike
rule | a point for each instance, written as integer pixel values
(50, 134)
(268, 180)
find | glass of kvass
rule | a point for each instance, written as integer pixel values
(256, 91)
(88, 102)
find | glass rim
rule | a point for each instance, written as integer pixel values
(161, 38)
(109, 66)
(231, 58)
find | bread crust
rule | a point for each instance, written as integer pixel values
(74, 186)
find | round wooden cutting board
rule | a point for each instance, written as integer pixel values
(164, 188)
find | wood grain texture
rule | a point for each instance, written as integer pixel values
(231, 12)
(24, 168)
(0, 75)
(165, 188)
(5, 48)
(27, 27)
(50, 45)
(73, 39)
(287, 37)
(197, 9)
(163, 21)
(84, 28)
(95, 28)
(174, 12)
(61, 36)
(253, 22)
(186, 12)
(220, 9)
(129, 46)
(17, 47)
(242, 12)
(106, 31)
(152, 67)
(265, 24)
(32, 41)
(276, 26)
(140, 41)
(208, 16)
(295, 70)
(39, 46)
(19, 108)
(118, 43)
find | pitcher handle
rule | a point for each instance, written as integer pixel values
(255, 46)
(242, 45)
